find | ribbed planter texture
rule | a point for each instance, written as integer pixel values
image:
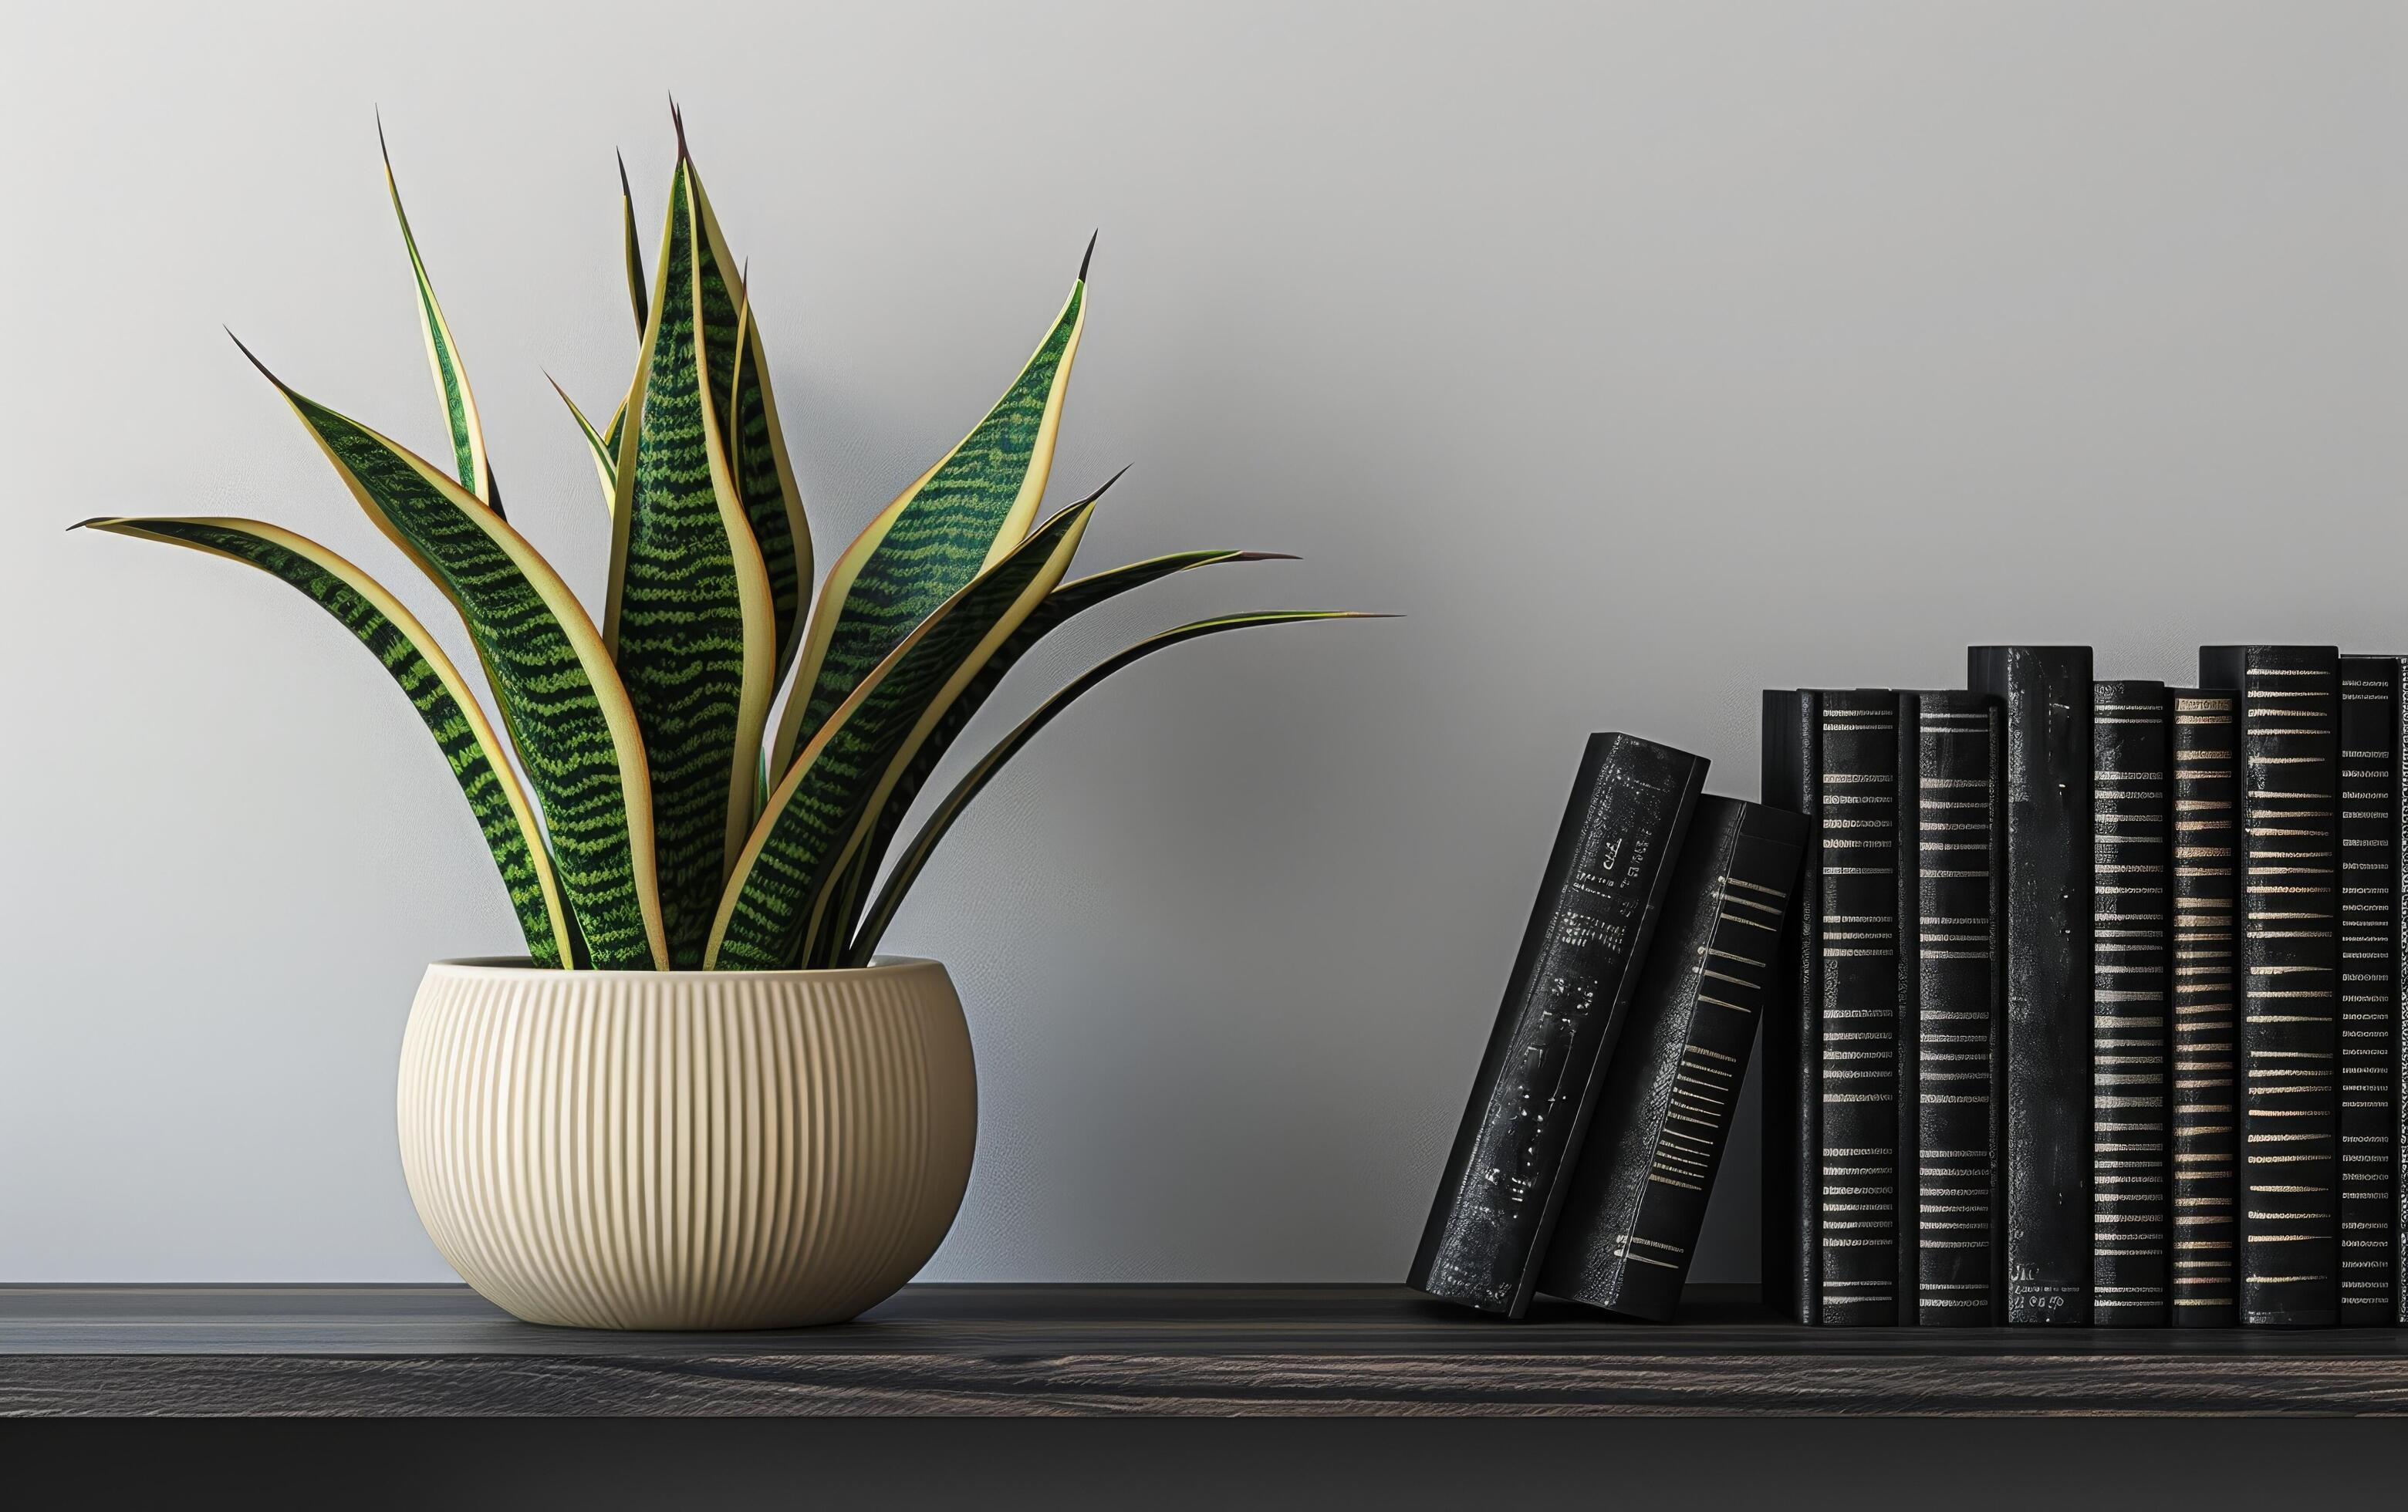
(635, 1149)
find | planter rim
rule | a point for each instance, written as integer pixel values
(522, 966)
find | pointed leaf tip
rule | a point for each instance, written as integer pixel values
(1107, 483)
(677, 118)
(1265, 556)
(1090, 255)
(255, 359)
(624, 193)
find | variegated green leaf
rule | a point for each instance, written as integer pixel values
(562, 702)
(691, 624)
(471, 465)
(635, 251)
(412, 659)
(765, 478)
(606, 456)
(749, 431)
(822, 809)
(1065, 602)
(613, 442)
(956, 520)
(605, 443)
(915, 856)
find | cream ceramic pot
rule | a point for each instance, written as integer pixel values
(686, 1150)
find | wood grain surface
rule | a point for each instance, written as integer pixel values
(390, 1351)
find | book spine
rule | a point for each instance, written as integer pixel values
(2044, 694)
(2400, 997)
(2291, 1171)
(1948, 928)
(1638, 1194)
(1909, 887)
(2130, 942)
(1792, 1136)
(1857, 834)
(2370, 971)
(2207, 795)
(1564, 1003)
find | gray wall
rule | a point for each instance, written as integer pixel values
(1644, 356)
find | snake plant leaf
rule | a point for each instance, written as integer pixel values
(605, 443)
(635, 248)
(749, 431)
(561, 699)
(1064, 603)
(613, 440)
(473, 468)
(958, 519)
(764, 473)
(690, 624)
(775, 902)
(914, 858)
(434, 687)
(606, 455)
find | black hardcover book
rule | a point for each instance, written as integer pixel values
(1831, 1186)
(2291, 1170)
(1792, 1129)
(1563, 1009)
(2399, 1081)
(2131, 940)
(2370, 970)
(1949, 867)
(1638, 1194)
(2400, 1000)
(2044, 694)
(2206, 1111)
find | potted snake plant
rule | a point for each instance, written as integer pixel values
(701, 1099)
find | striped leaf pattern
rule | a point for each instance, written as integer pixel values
(915, 856)
(944, 529)
(690, 620)
(475, 472)
(562, 702)
(1065, 602)
(755, 445)
(776, 900)
(411, 658)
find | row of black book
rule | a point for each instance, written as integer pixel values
(2089, 1009)
(2092, 1000)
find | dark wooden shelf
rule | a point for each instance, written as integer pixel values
(1129, 1351)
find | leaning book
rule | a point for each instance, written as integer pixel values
(1638, 1197)
(1564, 1007)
